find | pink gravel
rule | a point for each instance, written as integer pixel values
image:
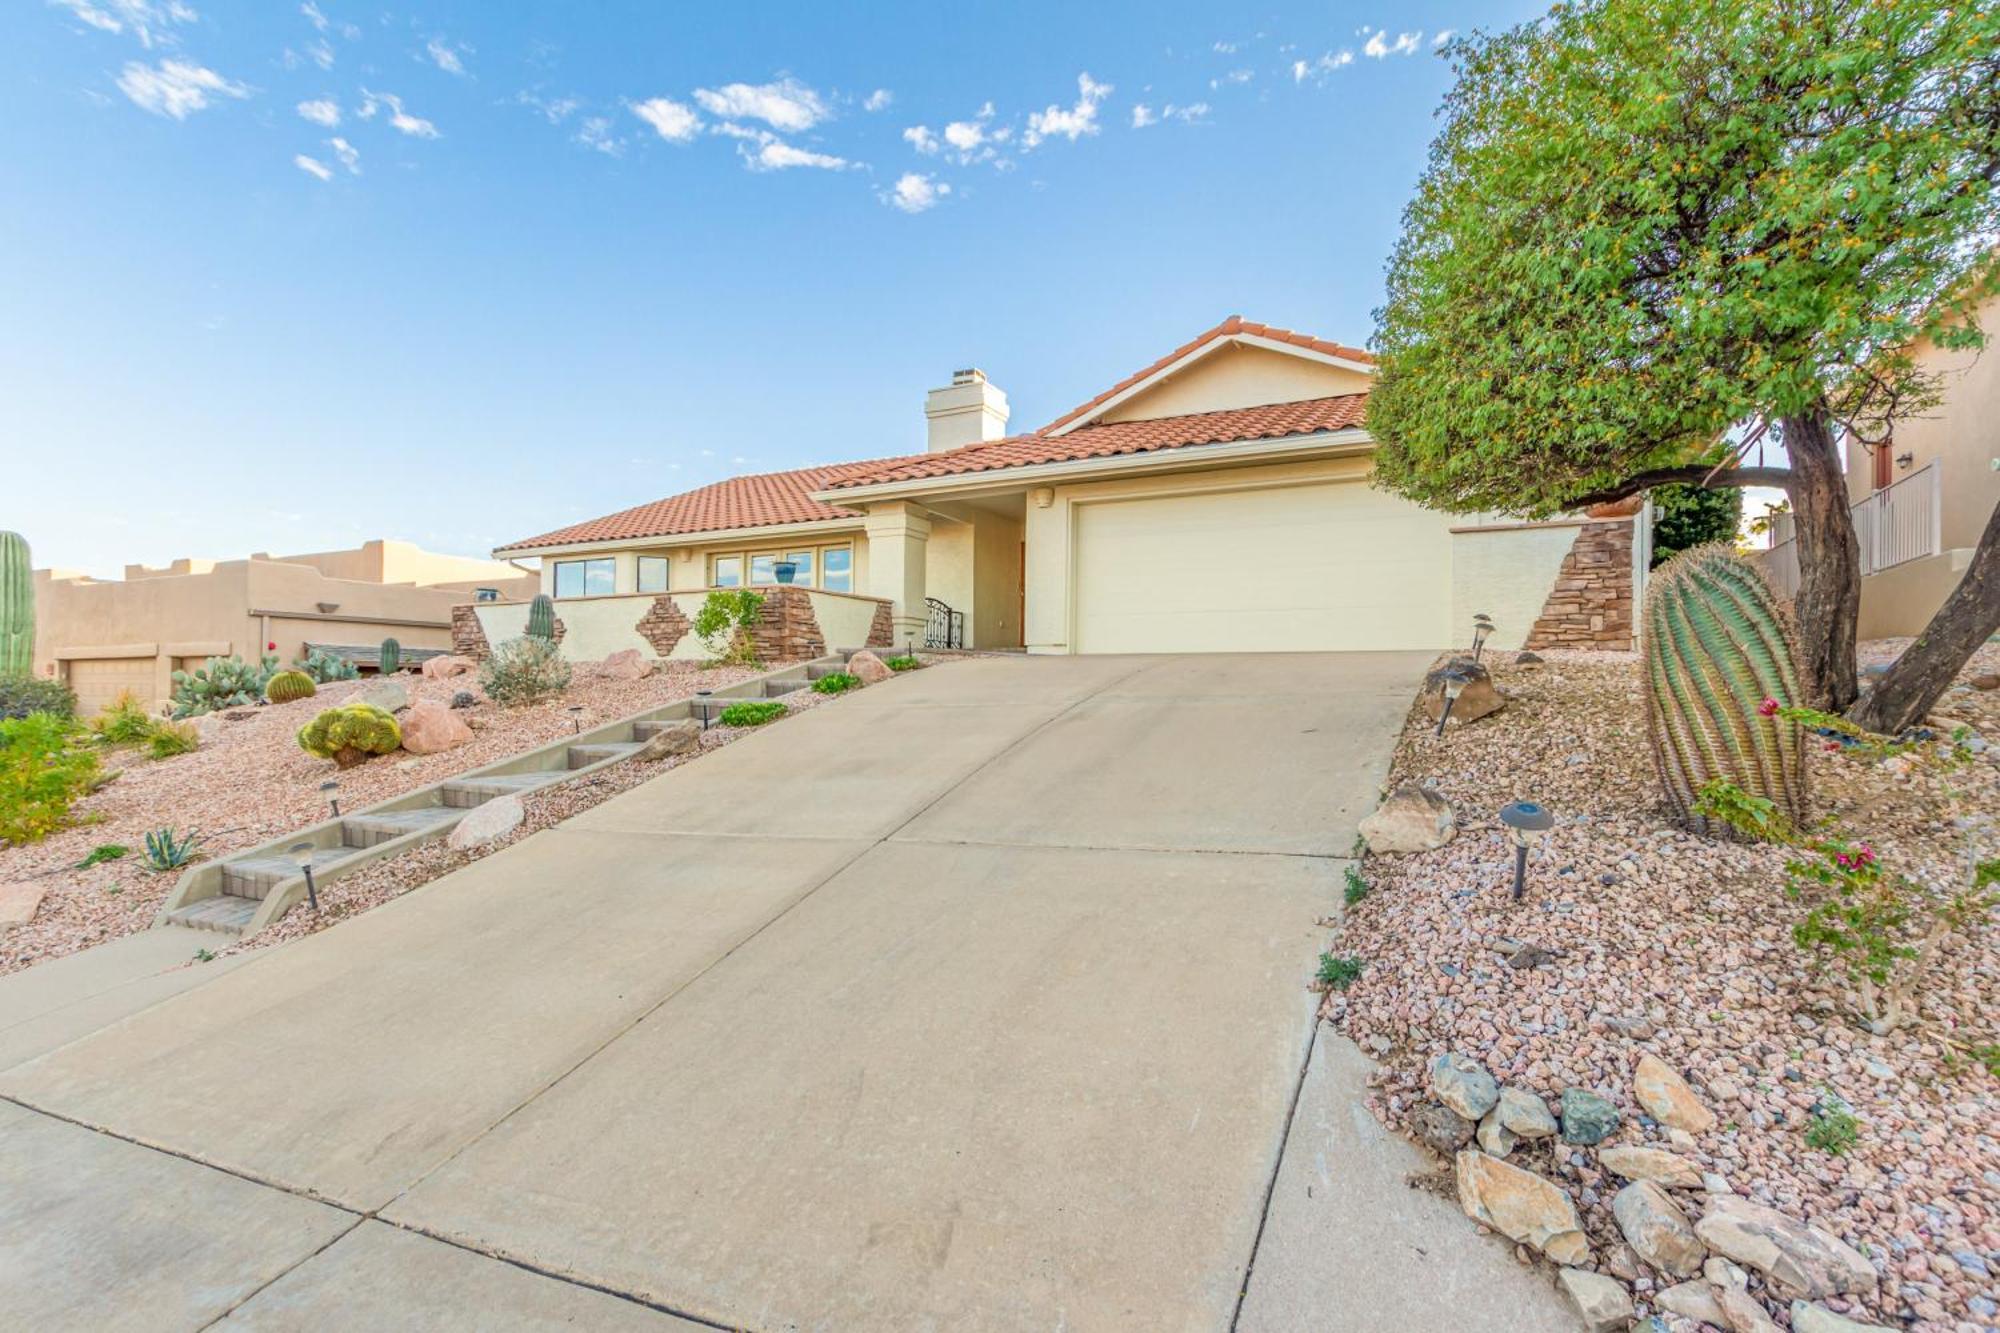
(1684, 943)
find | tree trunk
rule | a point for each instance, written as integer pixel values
(1829, 601)
(1925, 671)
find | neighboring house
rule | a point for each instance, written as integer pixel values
(1217, 500)
(108, 635)
(1922, 499)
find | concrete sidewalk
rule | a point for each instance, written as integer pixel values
(977, 1000)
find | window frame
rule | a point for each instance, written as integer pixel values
(816, 553)
(666, 573)
(584, 563)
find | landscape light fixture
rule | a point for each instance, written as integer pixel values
(576, 719)
(302, 857)
(707, 714)
(1454, 682)
(1527, 824)
(332, 790)
(1482, 625)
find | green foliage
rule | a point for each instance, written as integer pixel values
(167, 739)
(1834, 1128)
(1690, 516)
(903, 662)
(43, 771)
(1644, 222)
(349, 734)
(168, 850)
(23, 694)
(523, 670)
(389, 658)
(222, 682)
(17, 606)
(109, 851)
(725, 621)
(125, 722)
(1357, 887)
(323, 667)
(1717, 669)
(204, 955)
(752, 714)
(542, 618)
(839, 682)
(289, 685)
(1339, 971)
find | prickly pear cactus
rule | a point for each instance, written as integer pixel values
(392, 657)
(1717, 665)
(286, 686)
(542, 617)
(17, 607)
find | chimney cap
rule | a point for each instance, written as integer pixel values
(969, 375)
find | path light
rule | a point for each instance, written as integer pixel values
(1454, 681)
(705, 713)
(332, 790)
(302, 857)
(1527, 824)
(1482, 625)
(576, 719)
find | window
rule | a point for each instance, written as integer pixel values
(763, 570)
(728, 571)
(837, 569)
(485, 594)
(652, 573)
(804, 560)
(585, 578)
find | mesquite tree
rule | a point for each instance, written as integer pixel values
(1651, 229)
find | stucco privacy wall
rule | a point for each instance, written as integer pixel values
(596, 627)
(1506, 570)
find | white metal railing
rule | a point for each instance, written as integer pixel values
(1902, 522)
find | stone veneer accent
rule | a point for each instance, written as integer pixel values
(663, 625)
(1591, 603)
(468, 639)
(882, 629)
(786, 629)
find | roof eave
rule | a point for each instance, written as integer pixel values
(706, 537)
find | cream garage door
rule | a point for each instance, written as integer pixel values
(1330, 566)
(98, 680)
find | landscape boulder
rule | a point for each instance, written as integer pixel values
(1693, 1300)
(1819, 1319)
(1667, 1097)
(1601, 1302)
(1657, 1229)
(1441, 1129)
(432, 728)
(870, 669)
(1587, 1118)
(445, 666)
(1525, 1115)
(1654, 1164)
(19, 900)
(1479, 698)
(625, 664)
(682, 737)
(487, 822)
(1799, 1261)
(1410, 819)
(1462, 1084)
(1521, 1206)
(1494, 1137)
(1989, 680)
(391, 696)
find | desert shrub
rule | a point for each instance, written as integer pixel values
(902, 662)
(522, 670)
(840, 682)
(21, 695)
(42, 773)
(349, 734)
(1338, 972)
(222, 682)
(1357, 887)
(753, 714)
(324, 667)
(725, 621)
(1835, 1129)
(168, 850)
(109, 851)
(125, 722)
(289, 685)
(167, 739)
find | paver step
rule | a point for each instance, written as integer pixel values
(821, 670)
(226, 912)
(387, 825)
(464, 793)
(583, 756)
(645, 731)
(778, 689)
(254, 876)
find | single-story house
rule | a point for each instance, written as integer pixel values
(1216, 500)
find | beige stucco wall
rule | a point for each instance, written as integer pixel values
(596, 627)
(1901, 601)
(1506, 571)
(1239, 376)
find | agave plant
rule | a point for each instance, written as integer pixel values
(167, 850)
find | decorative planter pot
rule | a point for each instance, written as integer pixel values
(786, 570)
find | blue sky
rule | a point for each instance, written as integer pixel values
(282, 277)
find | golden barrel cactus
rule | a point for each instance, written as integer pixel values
(286, 686)
(351, 733)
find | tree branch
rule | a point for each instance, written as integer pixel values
(1694, 474)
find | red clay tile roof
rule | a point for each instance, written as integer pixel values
(1274, 421)
(1228, 328)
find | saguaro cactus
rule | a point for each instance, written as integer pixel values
(17, 606)
(391, 659)
(542, 617)
(1717, 647)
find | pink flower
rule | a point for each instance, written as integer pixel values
(1833, 745)
(1769, 708)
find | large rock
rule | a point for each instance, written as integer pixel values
(432, 728)
(19, 900)
(1524, 1114)
(1819, 1319)
(1743, 1312)
(625, 664)
(1479, 698)
(487, 822)
(1460, 1083)
(682, 737)
(445, 666)
(1587, 1118)
(391, 696)
(1410, 819)
(1441, 1129)
(1667, 1097)
(871, 669)
(1800, 1261)
(1692, 1300)
(1601, 1302)
(1657, 1229)
(1521, 1206)
(1495, 1137)
(1655, 1164)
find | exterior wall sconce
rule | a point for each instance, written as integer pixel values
(327, 608)
(1905, 459)
(1043, 496)
(1454, 682)
(302, 857)
(1527, 825)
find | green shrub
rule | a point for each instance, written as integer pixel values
(1357, 887)
(109, 851)
(290, 685)
(324, 667)
(349, 734)
(221, 682)
(522, 670)
(167, 850)
(725, 622)
(42, 773)
(840, 682)
(902, 663)
(754, 714)
(1834, 1128)
(168, 739)
(1338, 972)
(125, 722)
(21, 695)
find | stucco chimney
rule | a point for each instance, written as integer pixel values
(966, 411)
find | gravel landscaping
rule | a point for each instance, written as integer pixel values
(252, 782)
(1649, 940)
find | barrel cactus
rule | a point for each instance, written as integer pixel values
(391, 660)
(351, 733)
(287, 686)
(1718, 667)
(542, 617)
(17, 607)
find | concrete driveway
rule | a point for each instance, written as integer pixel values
(976, 1000)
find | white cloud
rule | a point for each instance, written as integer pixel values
(174, 88)
(921, 139)
(1379, 47)
(1225, 48)
(313, 16)
(556, 110)
(965, 135)
(674, 121)
(1072, 122)
(1142, 116)
(1187, 115)
(415, 126)
(878, 100)
(313, 167)
(1444, 36)
(150, 21)
(785, 105)
(595, 133)
(915, 193)
(447, 56)
(777, 155)
(1233, 76)
(349, 155)
(325, 111)
(1317, 70)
